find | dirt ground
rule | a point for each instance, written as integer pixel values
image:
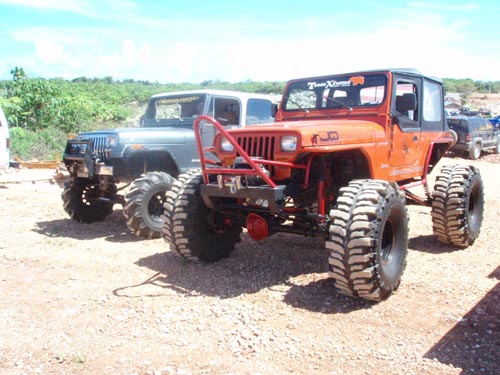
(93, 299)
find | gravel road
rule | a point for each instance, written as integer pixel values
(93, 299)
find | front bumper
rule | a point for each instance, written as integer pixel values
(264, 197)
(79, 157)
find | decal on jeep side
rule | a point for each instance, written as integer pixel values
(416, 169)
(328, 136)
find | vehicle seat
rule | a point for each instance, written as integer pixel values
(405, 102)
(230, 114)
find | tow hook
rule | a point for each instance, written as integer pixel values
(234, 183)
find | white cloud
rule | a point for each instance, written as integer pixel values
(112, 9)
(439, 6)
(184, 50)
(49, 52)
(74, 6)
(61, 35)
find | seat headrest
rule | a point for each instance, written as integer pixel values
(406, 102)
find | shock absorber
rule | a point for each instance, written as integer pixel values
(321, 188)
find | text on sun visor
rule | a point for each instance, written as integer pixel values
(188, 99)
(353, 81)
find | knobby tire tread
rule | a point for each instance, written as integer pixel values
(457, 187)
(185, 223)
(138, 219)
(354, 239)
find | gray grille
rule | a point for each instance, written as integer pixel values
(99, 146)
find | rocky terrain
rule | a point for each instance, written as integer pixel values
(93, 299)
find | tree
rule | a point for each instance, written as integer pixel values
(18, 74)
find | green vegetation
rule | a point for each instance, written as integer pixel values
(41, 112)
(468, 86)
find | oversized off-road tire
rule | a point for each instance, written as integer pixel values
(144, 201)
(80, 200)
(475, 152)
(457, 205)
(194, 231)
(368, 239)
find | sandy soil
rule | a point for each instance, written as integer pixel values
(93, 299)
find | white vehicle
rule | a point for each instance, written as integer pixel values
(4, 141)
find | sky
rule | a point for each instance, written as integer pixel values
(170, 41)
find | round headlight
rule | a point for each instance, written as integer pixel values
(225, 145)
(288, 143)
(112, 141)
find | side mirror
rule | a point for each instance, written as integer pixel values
(274, 109)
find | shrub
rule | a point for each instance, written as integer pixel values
(42, 112)
(36, 145)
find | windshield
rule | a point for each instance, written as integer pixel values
(335, 92)
(174, 110)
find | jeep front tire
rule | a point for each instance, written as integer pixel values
(194, 231)
(144, 204)
(368, 239)
(84, 202)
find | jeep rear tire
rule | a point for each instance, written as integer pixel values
(81, 200)
(194, 231)
(457, 205)
(368, 240)
(144, 201)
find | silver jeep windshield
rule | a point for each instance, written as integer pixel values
(335, 92)
(174, 110)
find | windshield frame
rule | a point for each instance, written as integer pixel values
(338, 92)
(185, 108)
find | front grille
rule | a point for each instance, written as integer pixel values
(99, 146)
(258, 146)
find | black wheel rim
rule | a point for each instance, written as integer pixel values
(474, 208)
(387, 244)
(155, 205)
(217, 223)
(89, 195)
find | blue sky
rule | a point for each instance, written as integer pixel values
(239, 40)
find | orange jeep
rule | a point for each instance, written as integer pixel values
(339, 163)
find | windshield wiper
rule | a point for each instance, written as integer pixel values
(341, 103)
(297, 104)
